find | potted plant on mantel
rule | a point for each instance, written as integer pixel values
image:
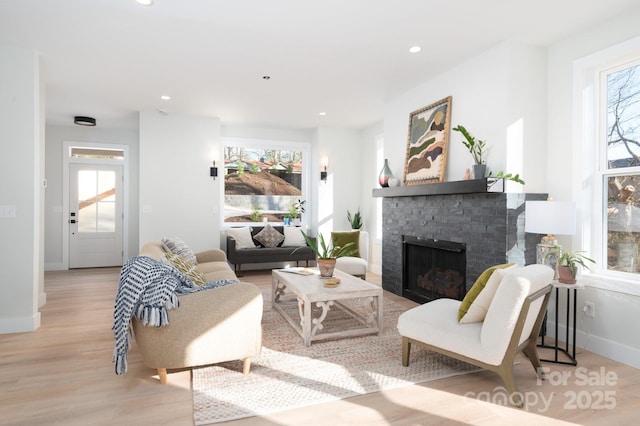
(568, 264)
(326, 255)
(478, 150)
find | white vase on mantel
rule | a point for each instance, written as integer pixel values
(394, 181)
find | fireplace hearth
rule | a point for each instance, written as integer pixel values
(432, 269)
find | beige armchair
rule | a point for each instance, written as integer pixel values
(511, 325)
(356, 266)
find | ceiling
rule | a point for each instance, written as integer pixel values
(110, 59)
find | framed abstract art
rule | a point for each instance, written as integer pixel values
(427, 143)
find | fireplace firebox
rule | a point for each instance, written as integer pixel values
(432, 269)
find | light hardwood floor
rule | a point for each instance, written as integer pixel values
(62, 374)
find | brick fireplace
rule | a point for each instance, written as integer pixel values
(489, 224)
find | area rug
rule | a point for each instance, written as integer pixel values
(289, 375)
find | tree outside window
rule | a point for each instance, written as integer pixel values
(262, 183)
(622, 171)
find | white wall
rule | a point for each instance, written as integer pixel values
(178, 198)
(21, 189)
(368, 205)
(491, 91)
(54, 220)
(343, 188)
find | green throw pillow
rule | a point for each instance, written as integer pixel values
(477, 287)
(342, 238)
(187, 268)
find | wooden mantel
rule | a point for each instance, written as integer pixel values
(473, 186)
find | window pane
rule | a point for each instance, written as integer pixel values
(87, 183)
(110, 154)
(96, 208)
(261, 183)
(623, 223)
(623, 118)
(106, 202)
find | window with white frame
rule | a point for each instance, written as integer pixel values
(619, 168)
(265, 181)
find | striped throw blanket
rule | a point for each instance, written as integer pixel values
(146, 291)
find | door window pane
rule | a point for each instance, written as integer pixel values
(96, 195)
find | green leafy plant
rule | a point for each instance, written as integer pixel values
(571, 259)
(299, 206)
(328, 251)
(507, 176)
(253, 168)
(476, 147)
(255, 213)
(293, 213)
(355, 220)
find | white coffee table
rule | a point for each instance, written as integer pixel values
(361, 300)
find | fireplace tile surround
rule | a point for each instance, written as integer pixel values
(491, 224)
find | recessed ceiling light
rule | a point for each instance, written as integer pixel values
(165, 97)
(415, 49)
(145, 2)
(323, 113)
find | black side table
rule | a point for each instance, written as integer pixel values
(570, 325)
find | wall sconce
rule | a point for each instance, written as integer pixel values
(213, 171)
(323, 172)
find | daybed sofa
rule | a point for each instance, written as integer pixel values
(209, 326)
(254, 250)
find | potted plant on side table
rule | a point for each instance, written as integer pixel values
(568, 264)
(326, 254)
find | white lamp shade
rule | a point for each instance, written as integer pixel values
(550, 217)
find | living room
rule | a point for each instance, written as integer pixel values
(510, 89)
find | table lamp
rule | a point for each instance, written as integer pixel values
(550, 218)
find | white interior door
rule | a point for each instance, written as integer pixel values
(95, 215)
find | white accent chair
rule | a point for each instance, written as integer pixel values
(356, 266)
(511, 325)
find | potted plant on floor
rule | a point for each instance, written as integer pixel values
(568, 264)
(326, 254)
(355, 220)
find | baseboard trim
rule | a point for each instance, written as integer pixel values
(55, 267)
(601, 346)
(20, 324)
